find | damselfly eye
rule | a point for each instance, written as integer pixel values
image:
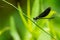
(43, 14)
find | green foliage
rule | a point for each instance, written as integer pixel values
(17, 20)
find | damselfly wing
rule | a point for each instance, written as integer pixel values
(43, 14)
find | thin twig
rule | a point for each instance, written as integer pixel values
(29, 19)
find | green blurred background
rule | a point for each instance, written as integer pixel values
(15, 26)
